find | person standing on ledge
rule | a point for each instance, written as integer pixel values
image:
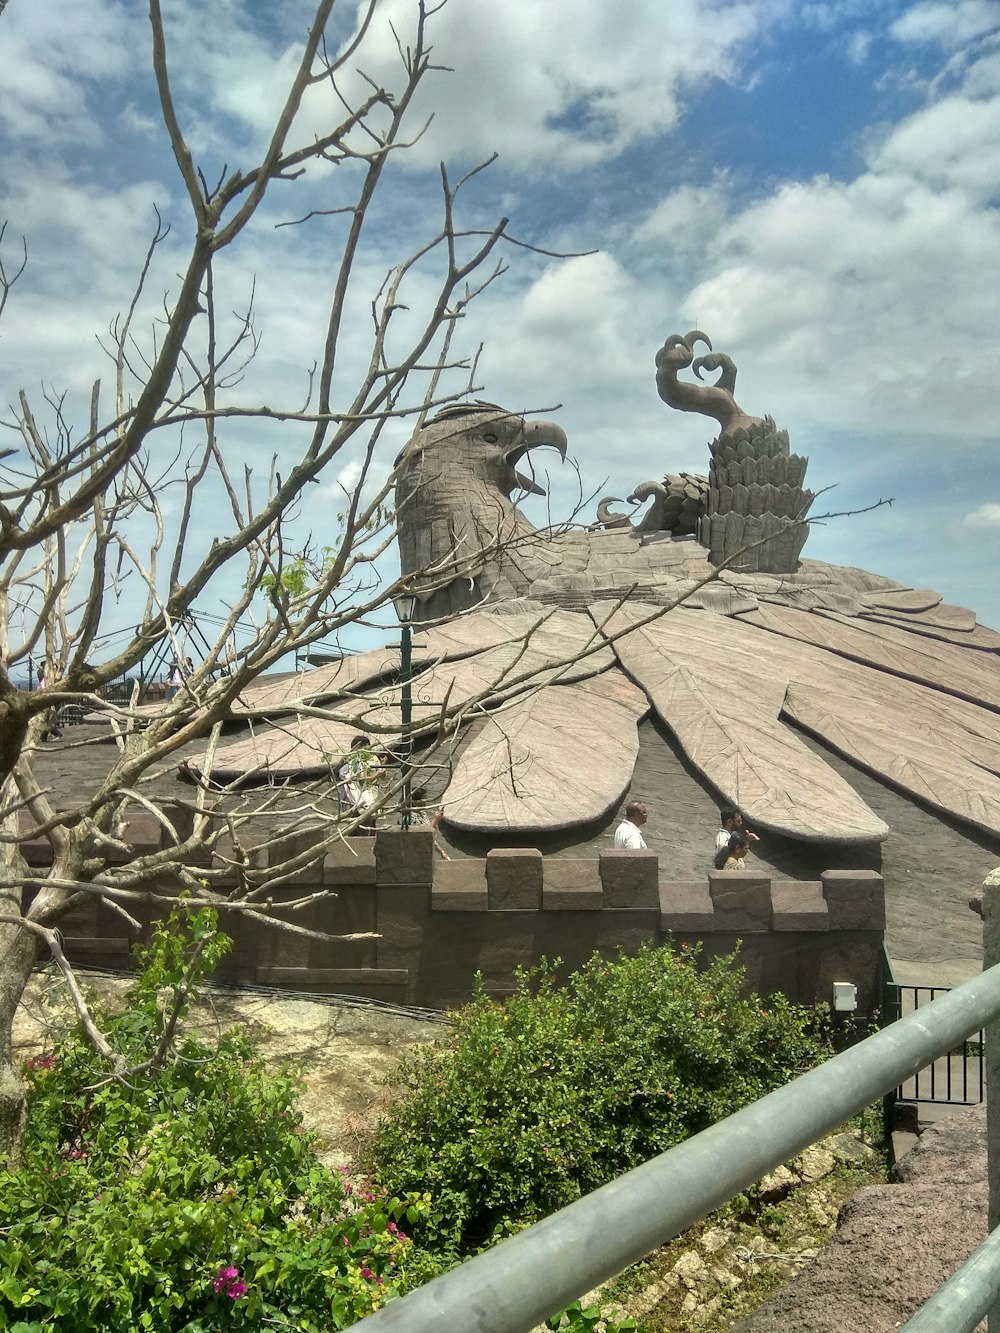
(627, 833)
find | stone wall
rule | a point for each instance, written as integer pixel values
(433, 924)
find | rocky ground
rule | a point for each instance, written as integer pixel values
(345, 1050)
(895, 1243)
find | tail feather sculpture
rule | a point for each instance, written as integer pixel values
(756, 506)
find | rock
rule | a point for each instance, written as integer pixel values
(715, 1239)
(776, 1184)
(849, 1147)
(815, 1163)
(822, 1212)
(690, 1268)
(895, 1244)
(726, 1277)
(705, 1312)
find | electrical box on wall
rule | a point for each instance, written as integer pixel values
(845, 997)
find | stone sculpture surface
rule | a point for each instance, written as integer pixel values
(737, 662)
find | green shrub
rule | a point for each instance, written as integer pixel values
(531, 1102)
(188, 1197)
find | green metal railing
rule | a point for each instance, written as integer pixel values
(519, 1283)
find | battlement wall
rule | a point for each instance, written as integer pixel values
(434, 924)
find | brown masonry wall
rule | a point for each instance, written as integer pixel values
(437, 923)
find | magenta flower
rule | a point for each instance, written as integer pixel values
(228, 1280)
(367, 1274)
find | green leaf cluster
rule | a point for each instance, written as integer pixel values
(535, 1100)
(140, 1193)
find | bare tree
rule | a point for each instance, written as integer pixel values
(81, 516)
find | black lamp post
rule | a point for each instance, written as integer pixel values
(404, 604)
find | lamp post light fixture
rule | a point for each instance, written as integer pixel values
(404, 604)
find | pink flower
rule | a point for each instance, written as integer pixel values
(227, 1280)
(367, 1274)
(236, 1290)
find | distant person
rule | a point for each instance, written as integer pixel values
(733, 855)
(51, 732)
(731, 821)
(420, 817)
(627, 833)
(357, 781)
(175, 680)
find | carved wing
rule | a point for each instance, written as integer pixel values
(560, 758)
(711, 683)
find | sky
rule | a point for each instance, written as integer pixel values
(814, 183)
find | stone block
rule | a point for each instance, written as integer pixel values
(630, 879)
(514, 879)
(507, 944)
(742, 900)
(349, 861)
(305, 849)
(686, 908)
(248, 854)
(460, 886)
(86, 946)
(855, 899)
(571, 885)
(798, 904)
(403, 921)
(143, 832)
(180, 818)
(350, 910)
(405, 856)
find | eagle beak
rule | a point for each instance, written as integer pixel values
(537, 435)
(532, 487)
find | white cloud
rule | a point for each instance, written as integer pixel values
(563, 85)
(861, 308)
(949, 25)
(864, 301)
(985, 516)
(58, 59)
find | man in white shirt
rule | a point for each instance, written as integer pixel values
(627, 833)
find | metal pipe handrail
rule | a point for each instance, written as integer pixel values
(959, 1304)
(523, 1280)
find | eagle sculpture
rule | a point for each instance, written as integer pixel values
(554, 644)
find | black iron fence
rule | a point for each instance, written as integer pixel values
(956, 1078)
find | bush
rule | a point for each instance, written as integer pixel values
(531, 1102)
(189, 1197)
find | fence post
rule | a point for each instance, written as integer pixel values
(991, 955)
